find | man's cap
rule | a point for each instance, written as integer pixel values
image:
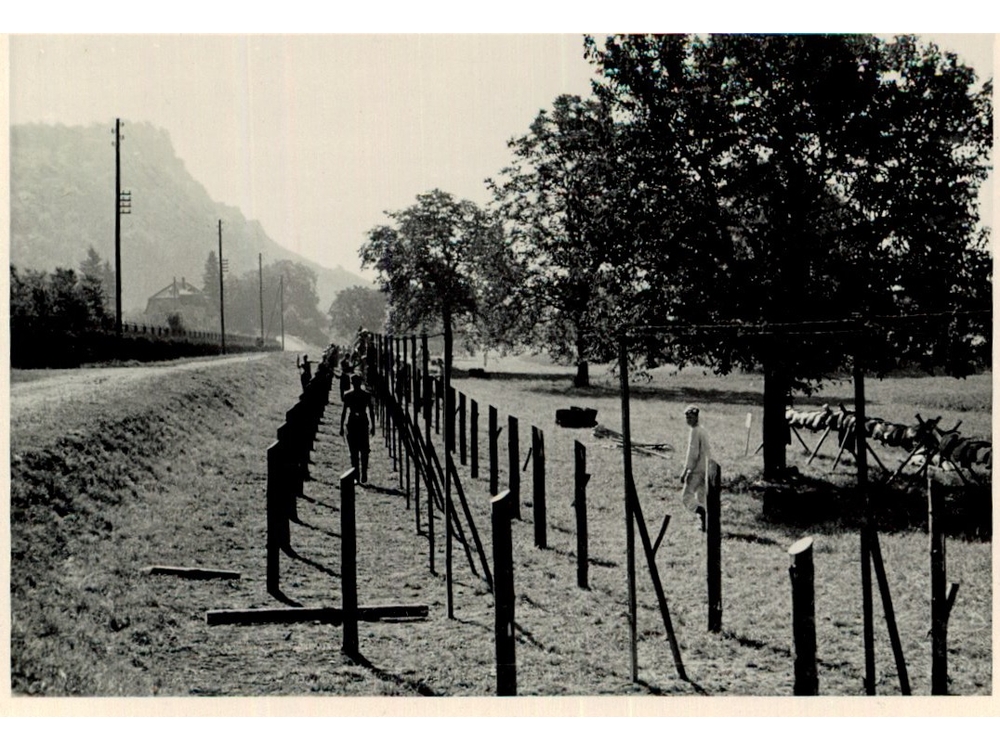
(691, 409)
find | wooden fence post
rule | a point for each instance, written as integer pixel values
(277, 516)
(461, 429)
(348, 563)
(474, 438)
(450, 414)
(503, 591)
(438, 396)
(513, 466)
(629, 515)
(941, 601)
(713, 539)
(415, 386)
(493, 436)
(803, 617)
(538, 486)
(581, 477)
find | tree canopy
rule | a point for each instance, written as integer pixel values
(798, 178)
(440, 261)
(559, 201)
(357, 307)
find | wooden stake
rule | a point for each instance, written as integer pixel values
(939, 615)
(803, 617)
(513, 466)
(581, 477)
(713, 541)
(629, 523)
(493, 435)
(818, 446)
(538, 487)
(503, 591)
(474, 439)
(348, 563)
(462, 445)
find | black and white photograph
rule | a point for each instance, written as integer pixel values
(651, 369)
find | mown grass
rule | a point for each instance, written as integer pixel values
(756, 591)
(172, 472)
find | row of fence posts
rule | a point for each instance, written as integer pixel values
(288, 465)
(405, 443)
(410, 448)
(407, 393)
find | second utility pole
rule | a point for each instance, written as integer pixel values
(222, 304)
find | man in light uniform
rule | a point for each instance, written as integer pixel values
(695, 476)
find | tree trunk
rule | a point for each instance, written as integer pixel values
(776, 386)
(582, 379)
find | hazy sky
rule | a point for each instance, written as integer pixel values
(316, 136)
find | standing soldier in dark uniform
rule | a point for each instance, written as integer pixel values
(358, 402)
(306, 367)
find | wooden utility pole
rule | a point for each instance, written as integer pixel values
(260, 272)
(281, 304)
(118, 229)
(222, 304)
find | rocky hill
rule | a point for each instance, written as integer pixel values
(62, 202)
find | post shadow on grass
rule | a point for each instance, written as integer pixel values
(311, 563)
(416, 686)
(282, 597)
(390, 491)
(319, 529)
(320, 503)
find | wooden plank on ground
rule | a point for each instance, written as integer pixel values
(192, 573)
(330, 615)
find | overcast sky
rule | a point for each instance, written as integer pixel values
(316, 136)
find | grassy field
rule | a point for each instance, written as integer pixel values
(172, 472)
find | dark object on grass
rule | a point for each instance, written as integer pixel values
(477, 372)
(576, 417)
(193, 573)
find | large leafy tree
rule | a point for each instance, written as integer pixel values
(558, 198)
(797, 179)
(434, 262)
(356, 307)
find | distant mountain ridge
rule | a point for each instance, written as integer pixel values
(61, 202)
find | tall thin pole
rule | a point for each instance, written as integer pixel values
(449, 444)
(861, 458)
(629, 522)
(260, 271)
(118, 229)
(281, 304)
(222, 303)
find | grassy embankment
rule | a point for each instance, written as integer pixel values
(173, 473)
